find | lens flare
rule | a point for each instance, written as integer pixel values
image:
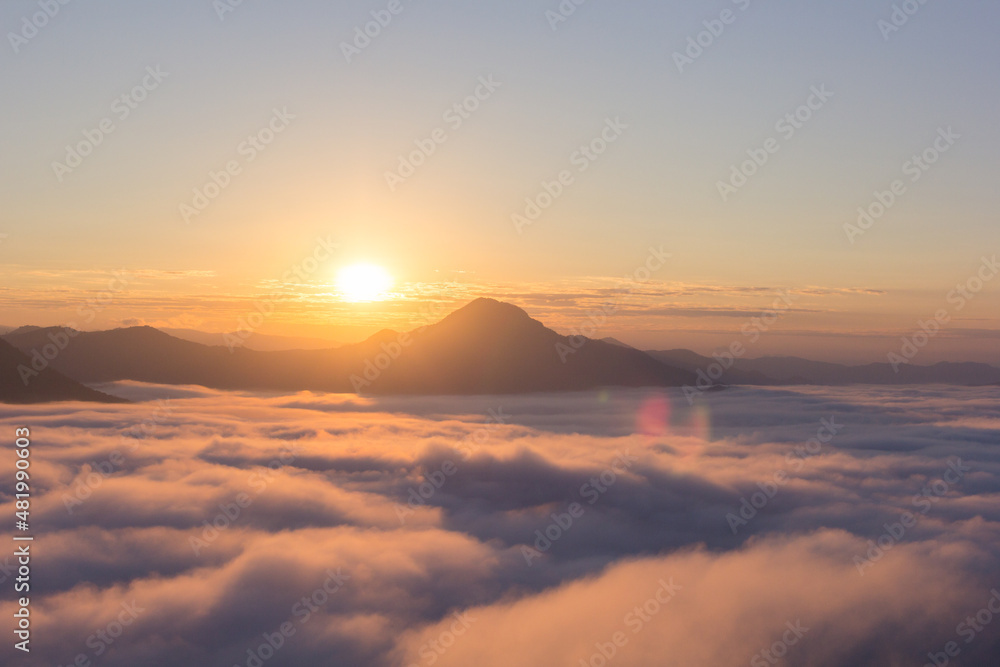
(654, 416)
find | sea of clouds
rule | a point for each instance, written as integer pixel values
(828, 526)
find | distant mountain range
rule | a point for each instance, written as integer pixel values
(793, 370)
(259, 342)
(486, 347)
(20, 382)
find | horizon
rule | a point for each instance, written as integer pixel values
(243, 337)
(560, 333)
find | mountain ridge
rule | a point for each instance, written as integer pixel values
(789, 370)
(484, 347)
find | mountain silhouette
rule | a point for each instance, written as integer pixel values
(692, 361)
(258, 341)
(494, 347)
(794, 370)
(20, 382)
(485, 347)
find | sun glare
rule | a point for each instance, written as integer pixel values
(360, 283)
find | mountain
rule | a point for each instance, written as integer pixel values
(693, 362)
(45, 386)
(146, 354)
(19, 330)
(794, 370)
(485, 347)
(615, 341)
(494, 347)
(259, 342)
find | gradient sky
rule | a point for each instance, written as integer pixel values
(446, 234)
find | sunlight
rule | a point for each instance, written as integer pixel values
(361, 283)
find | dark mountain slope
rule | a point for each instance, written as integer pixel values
(48, 385)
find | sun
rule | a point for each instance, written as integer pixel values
(360, 283)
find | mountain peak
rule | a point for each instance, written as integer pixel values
(25, 329)
(487, 319)
(382, 336)
(485, 307)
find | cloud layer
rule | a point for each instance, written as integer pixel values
(824, 526)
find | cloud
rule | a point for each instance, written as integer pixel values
(515, 529)
(722, 609)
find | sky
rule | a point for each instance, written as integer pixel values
(334, 113)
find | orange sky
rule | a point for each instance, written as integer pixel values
(209, 184)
